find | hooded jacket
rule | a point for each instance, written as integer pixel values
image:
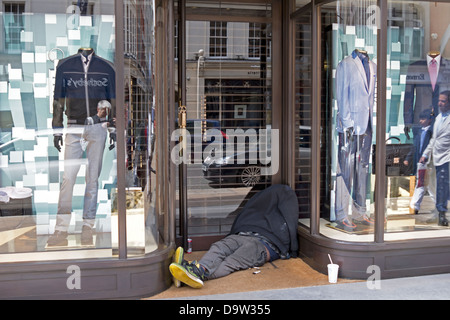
(273, 214)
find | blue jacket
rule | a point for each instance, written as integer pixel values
(82, 91)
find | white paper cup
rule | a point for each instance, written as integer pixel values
(333, 272)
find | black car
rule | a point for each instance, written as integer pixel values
(246, 169)
(242, 168)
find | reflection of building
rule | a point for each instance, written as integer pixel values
(248, 64)
(226, 75)
(138, 90)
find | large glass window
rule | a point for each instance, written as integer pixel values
(417, 150)
(58, 137)
(348, 119)
(140, 111)
(57, 172)
(417, 102)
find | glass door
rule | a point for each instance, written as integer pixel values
(228, 63)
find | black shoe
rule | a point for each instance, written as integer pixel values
(87, 237)
(442, 219)
(416, 211)
(58, 239)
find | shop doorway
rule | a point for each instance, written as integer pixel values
(228, 97)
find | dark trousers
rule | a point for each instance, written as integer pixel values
(233, 253)
(352, 173)
(442, 187)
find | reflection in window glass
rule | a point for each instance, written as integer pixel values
(229, 110)
(57, 133)
(140, 112)
(417, 150)
(15, 25)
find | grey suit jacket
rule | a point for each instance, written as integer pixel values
(355, 97)
(439, 145)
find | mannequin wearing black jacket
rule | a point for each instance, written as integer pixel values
(265, 230)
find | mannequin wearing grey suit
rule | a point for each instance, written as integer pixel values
(355, 89)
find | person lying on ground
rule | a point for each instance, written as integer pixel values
(265, 230)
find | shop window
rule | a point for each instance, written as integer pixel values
(348, 119)
(418, 80)
(58, 162)
(44, 173)
(416, 98)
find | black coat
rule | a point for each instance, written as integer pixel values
(273, 213)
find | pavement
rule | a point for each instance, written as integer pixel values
(432, 287)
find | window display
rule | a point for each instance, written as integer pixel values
(58, 162)
(348, 119)
(417, 83)
(418, 75)
(63, 162)
(84, 88)
(355, 90)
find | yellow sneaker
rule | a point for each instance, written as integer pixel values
(189, 274)
(178, 258)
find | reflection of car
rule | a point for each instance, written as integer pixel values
(248, 172)
(243, 168)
